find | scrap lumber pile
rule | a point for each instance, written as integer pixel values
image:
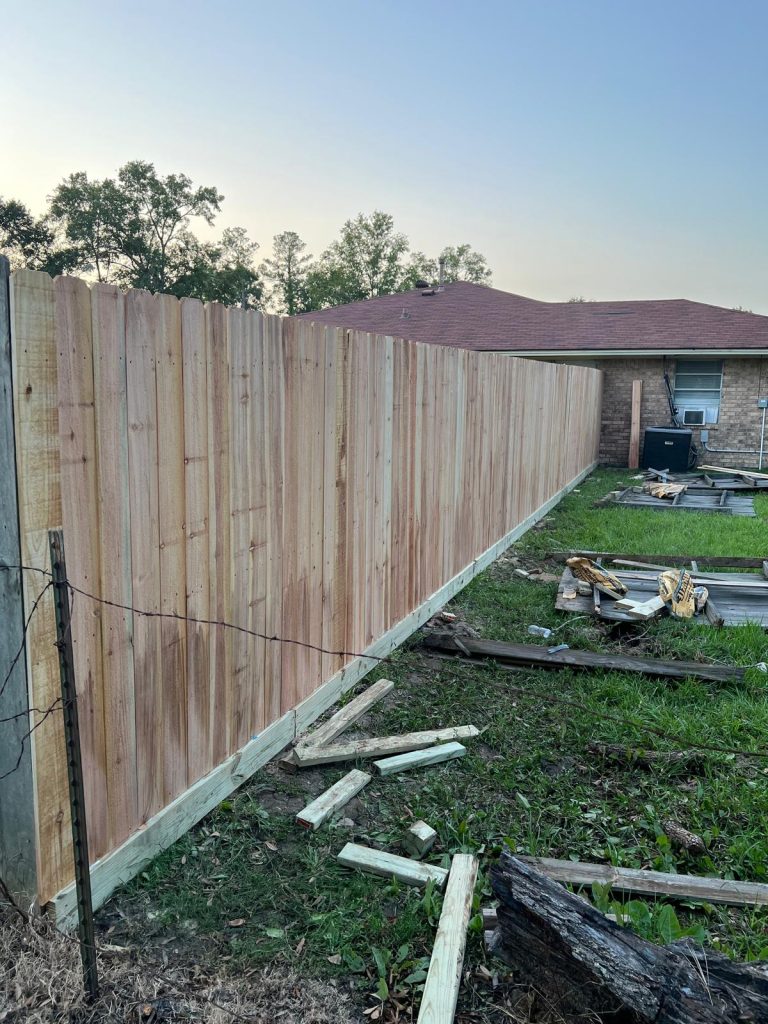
(398, 754)
(588, 964)
(729, 479)
(685, 497)
(648, 588)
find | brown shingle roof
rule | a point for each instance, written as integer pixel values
(473, 316)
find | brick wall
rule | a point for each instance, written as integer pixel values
(744, 380)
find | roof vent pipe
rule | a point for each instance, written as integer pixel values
(441, 274)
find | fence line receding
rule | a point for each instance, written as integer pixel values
(311, 483)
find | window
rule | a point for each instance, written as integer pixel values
(698, 383)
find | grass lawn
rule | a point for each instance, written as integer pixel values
(248, 885)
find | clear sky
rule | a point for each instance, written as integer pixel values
(605, 149)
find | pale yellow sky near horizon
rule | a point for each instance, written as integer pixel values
(581, 153)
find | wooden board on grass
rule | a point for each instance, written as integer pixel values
(390, 865)
(441, 990)
(332, 799)
(381, 745)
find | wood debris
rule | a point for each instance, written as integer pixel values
(441, 989)
(419, 839)
(390, 865)
(539, 657)
(333, 799)
(587, 964)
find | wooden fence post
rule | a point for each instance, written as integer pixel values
(634, 429)
(17, 816)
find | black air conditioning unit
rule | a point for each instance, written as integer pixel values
(667, 448)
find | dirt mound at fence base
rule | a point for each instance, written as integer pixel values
(41, 982)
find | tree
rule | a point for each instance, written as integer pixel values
(367, 258)
(287, 270)
(463, 263)
(33, 243)
(460, 263)
(217, 272)
(133, 230)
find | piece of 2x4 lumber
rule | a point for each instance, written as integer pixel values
(749, 474)
(441, 989)
(390, 865)
(538, 657)
(419, 839)
(382, 746)
(654, 883)
(419, 758)
(727, 561)
(339, 722)
(334, 798)
(347, 716)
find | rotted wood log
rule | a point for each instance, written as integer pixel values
(583, 963)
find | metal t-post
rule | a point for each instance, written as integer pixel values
(74, 765)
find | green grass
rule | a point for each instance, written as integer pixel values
(529, 781)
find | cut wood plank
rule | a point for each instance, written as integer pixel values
(530, 654)
(646, 609)
(420, 758)
(730, 561)
(332, 799)
(634, 426)
(718, 577)
(749, 474)
(346, 716)
(654, 883)
(389, 865)
(419, 839)
(441, 990)
(382, 745)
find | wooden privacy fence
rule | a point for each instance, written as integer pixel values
(313, 484)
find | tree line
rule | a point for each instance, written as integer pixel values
(134, 230)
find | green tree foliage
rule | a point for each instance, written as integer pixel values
(133, 230)
(33, 243)
(371, 258)
(287, 271)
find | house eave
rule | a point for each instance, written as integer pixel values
(636, 353)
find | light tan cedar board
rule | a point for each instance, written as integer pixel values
(36, 407)
(79, 497)
(141, 325)
(172, 540)
(194, 339)
(114, 533)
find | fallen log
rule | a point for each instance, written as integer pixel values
(584, 963)
(539, 657)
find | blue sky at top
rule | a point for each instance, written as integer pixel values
(610, 150)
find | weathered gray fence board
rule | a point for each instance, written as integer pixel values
(17, 816)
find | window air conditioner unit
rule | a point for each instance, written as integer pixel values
(694, 417)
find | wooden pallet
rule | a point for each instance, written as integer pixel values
(731, 602)
(693, 499)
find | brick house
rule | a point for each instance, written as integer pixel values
(716, 359)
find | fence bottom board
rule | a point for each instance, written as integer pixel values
(169, 824)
